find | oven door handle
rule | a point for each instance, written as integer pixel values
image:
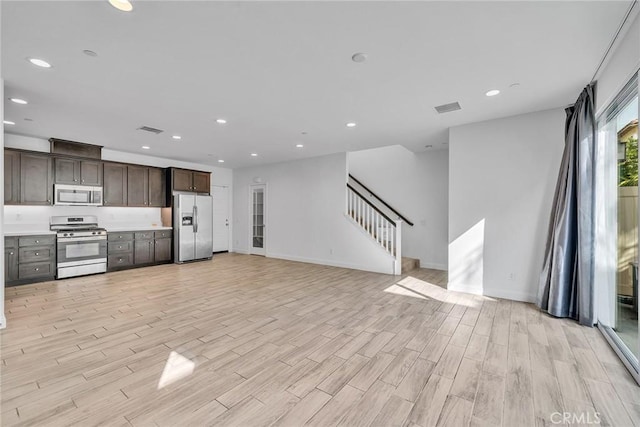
(81, 239)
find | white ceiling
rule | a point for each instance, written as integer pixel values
(277, 69)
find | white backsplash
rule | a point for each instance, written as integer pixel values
(16, 217)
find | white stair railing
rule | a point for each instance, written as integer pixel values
(383, 230)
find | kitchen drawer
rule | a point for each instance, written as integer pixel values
(119, 260)
(163, 234)
(144, 235)
(9, 242)
(119, 247)
(36, 269)
(37, 240)
(119, 236)
(34, 254)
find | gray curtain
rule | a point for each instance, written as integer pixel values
(566, 282)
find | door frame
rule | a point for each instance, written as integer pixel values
(263, 250)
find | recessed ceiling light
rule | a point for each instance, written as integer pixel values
(299, 145)
(89, 52)
(18, 101)
(221, 121)
(514, 85)
(27, 119)
(39, 62)
(145, 147)
(492, 92)
(123, 5)
(359, 57)
(176, 137)
(254, 154)
(428, 146)
(8, 122)
(220, 161)
(351, 125)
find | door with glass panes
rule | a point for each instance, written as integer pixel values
(258, 223)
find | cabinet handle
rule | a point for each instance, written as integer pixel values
(37, 241)
(119, 259)
(10, 253)
(75, 180)
(48, 200)
(119, 247)
(83, 181)
(37, 269)
(37, 254)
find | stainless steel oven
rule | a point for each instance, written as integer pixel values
(82, 246)
(77, 195)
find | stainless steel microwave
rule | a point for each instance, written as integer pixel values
(77, 195)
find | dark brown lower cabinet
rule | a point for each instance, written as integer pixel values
(29, 259)
(162, 250)
(138, 248)
(142, 252)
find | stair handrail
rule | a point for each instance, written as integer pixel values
(380, 199)
(377, 209)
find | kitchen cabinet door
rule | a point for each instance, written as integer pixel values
(157, 187)
(91, 173)
(11, 177)
(143, 251)
(137, 186)
(182, 180)
(36, 179)
(10, 263)
(115, 184)
(162, 250)
(201, 182)
(67, 171)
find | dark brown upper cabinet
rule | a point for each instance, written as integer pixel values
(79, 172)
(11, 177)
(36, 179)
(146, 186)
(192, 181)
(137, 186)
(115, 184)
(157, 187)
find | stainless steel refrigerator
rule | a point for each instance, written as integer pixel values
(192, 227)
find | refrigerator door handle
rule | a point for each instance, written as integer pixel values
(195, 219)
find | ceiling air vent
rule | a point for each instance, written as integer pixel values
(150, 129)
(447, 108)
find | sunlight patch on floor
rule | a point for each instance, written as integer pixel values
(176, 368)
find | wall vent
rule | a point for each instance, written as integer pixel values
(150, 129)
(447, 108)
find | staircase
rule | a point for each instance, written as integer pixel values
(380, 221)
(409, 264)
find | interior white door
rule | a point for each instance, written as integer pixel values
(220, 218)
(258, 203)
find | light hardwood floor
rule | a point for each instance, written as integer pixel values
(251, 341)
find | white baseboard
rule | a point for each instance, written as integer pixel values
(332, 263)
(433, 266)
(3, 321)
(240, 251)
(495, 293)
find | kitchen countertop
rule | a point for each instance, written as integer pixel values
(13, 233)
(120, 228)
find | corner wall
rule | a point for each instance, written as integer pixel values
(502, 176)
(417, 185)
(305, 215)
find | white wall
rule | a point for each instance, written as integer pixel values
(621, 64)
(502, 176)
(417, 186)
(305, 215)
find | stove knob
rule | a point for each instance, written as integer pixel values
(93, 232)
(70, 234)
(66, 234)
